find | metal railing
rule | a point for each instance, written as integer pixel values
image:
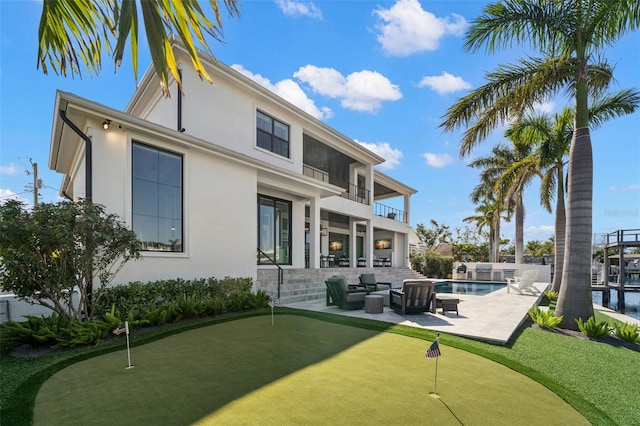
(357, 194)
(273, 262)
(389, 212)
(314, 173)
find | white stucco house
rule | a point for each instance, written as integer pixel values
(230, 180)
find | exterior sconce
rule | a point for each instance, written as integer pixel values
(105, 124)
(323, 232)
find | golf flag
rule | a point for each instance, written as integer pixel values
(122, 328)
(433, 351)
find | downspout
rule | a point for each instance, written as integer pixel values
(180, 128)
(88, 180)
(88, 167)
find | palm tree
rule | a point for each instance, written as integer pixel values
(493, 166)
(73, 32)
(496, 165)
(487, 217)
(552, 138)
(570, 34)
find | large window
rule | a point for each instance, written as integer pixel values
(274, 230)
(272, 135)
(157, 198)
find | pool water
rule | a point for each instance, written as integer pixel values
(477, 288)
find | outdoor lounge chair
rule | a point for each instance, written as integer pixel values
(369, 282)
(416, 296)
(524, 282)
(339, 294)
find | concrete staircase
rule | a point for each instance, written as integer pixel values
(308, 284)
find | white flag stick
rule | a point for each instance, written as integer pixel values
(126, 328)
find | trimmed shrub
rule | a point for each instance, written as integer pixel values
(431, 264)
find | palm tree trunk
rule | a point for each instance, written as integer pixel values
(561, 221)
(519, 228)
(575, 300)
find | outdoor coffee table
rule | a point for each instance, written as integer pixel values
(447, 304)
(373, 304)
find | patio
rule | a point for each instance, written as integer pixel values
(493, 317)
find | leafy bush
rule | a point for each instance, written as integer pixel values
(56, 331)
(544, 319)
(138, 296)
(53, 250)
(155, 303)
(552, 297)
(431, 264)
(591, 328)
(627, 332)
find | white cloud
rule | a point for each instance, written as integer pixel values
(406, 28)
(295, 9)
(9, 169)
(544, 107)
(7, 194)
(437, 160)
(631, 187)
(360, 91)
(384, 150)
(445, 83)
(289, 90)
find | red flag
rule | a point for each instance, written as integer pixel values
(433, 351)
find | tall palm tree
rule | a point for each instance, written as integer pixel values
(75, 32)
(492, 166)
(487, 217)
(571, 35)
(552, 138)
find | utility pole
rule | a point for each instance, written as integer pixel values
(37, 183)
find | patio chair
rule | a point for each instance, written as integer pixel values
(369, 282)
(523, 282)
(339, 294)
(416, 296)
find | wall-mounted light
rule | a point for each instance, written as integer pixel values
(105, 124)
(323, 232)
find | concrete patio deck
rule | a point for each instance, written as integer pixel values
(493, 317)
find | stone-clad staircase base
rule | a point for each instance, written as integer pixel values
(308, 284)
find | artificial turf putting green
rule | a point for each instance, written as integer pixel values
(300, 371)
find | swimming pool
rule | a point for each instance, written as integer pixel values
(477, 288)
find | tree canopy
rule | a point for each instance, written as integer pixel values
(74, 33)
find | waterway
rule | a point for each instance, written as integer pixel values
(632, 300)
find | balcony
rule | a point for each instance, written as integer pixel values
(389, 212)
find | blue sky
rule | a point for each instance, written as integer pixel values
(380, 72)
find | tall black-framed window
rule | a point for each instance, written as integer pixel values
(274, 230)
(273, 135)
(157, 198)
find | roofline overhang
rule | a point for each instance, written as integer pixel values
(69, 102)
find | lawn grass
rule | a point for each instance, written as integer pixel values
(597, 379)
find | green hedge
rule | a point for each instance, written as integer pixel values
(137, 295)
(150, 304)
(431, 264)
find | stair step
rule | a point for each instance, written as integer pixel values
(308, 284)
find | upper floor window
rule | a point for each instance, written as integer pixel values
(157, 198)
(272, 135)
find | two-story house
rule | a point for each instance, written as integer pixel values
(229, 180)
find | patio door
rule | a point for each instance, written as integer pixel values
(274, 230)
